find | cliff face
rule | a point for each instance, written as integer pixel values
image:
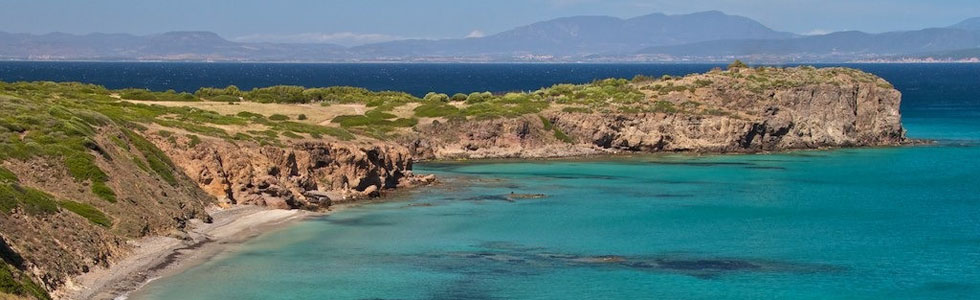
(80, 176)
(52, 247)
(307, 174)
(848, 113)
(800, 118)
(48, 238)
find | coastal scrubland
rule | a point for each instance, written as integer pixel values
(84, 168)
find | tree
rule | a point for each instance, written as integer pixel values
(737, 64)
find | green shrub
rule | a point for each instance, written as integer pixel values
(700, 83)
(664, 107)
(364, 120)
(137, 94)
(458, 97)
(8, 198)
(82, 167)
(315, 131)
(436, 97)
(103, 191)
(155, 158)
(301, 117)
(14, 282)
(33, 201)
(737, 64)
(225, 98)
(213, 94)
(250, 115)
(478, 97)
(193, 140)
(6, 176)
(278, 117)
(347, 94)
(642, 78)
(88, 212)
(435, 110)
(561, 136)
(171, 95)
(241, 137)
(143, 94)
(165, 133)
(546, 123)
(278, 94)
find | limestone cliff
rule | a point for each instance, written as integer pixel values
(306, 174)
(713, 112)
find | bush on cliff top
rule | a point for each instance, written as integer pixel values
(147, 95)
(435, 110)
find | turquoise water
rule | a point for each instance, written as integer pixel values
(881, 223)
(868, 223)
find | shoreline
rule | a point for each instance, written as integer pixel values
(620, 155)
(156, 257)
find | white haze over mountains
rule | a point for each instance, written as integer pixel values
(710, 36)
(338, 38)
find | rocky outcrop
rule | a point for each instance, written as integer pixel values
(820, 115)
(309, 175)
(519, 137)
(800, 118)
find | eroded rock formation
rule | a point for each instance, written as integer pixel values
(847, 113)
(308, 175)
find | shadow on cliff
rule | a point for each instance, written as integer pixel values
(9, 256)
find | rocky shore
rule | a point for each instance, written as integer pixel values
(174, 189)
(849, 112)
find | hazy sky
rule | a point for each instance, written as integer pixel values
(361, 21)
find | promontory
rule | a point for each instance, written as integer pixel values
(84, 170)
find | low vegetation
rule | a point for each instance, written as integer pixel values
(147, 95)
(387, 114)
(88, 212)
(16, 282)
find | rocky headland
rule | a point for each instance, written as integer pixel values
(86, 170)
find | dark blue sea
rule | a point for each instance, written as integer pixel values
(878, 223)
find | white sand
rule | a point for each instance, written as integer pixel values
(154, 257)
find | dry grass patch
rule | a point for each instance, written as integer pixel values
(315, 114)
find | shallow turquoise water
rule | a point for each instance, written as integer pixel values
(881, 223)
(859, 223)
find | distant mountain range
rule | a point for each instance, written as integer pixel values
(699, 37)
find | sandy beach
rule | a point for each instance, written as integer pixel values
(158, 256)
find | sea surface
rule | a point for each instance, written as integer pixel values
(879, 223)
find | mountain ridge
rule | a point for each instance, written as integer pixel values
(703, 36)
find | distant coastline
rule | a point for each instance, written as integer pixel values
(703, 37)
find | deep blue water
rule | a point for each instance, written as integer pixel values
(888, 223)
(416, 79)
(921, 83)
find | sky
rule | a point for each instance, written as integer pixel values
(355, 22)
